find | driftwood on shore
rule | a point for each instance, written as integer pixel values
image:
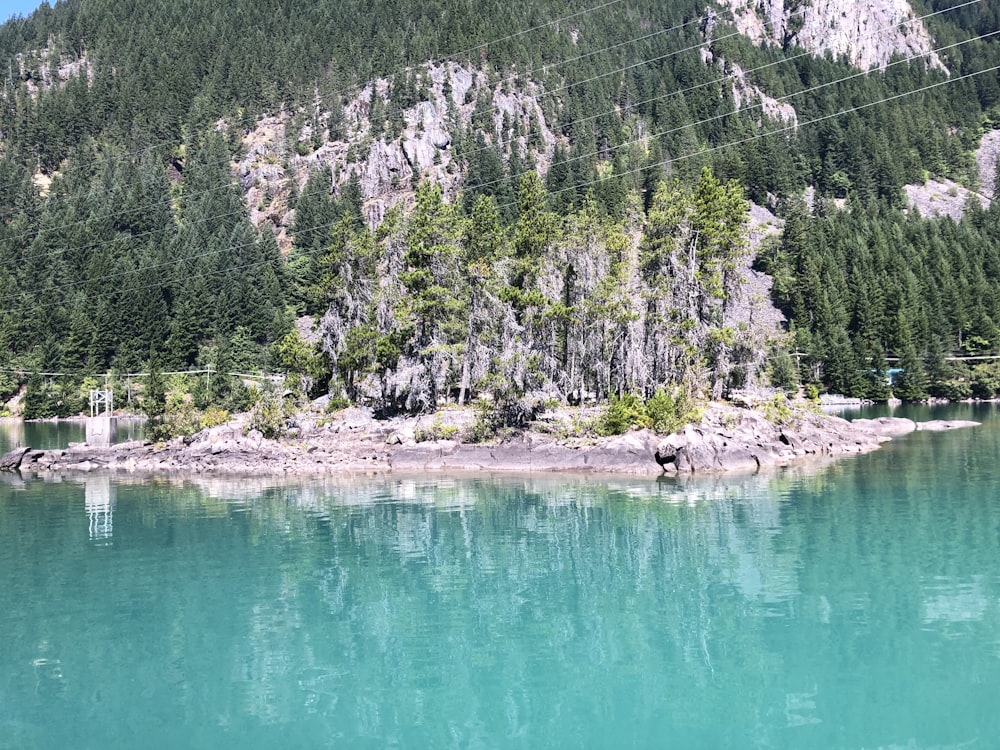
(726, 439)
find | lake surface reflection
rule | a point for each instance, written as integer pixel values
(852, 605)
(48, 435)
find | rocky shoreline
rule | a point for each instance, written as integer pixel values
(727, 439)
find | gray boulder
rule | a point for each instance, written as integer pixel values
(940, 425)
(11, 460)
(886, 426)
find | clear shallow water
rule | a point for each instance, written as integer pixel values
(60, 433)
(855, 605)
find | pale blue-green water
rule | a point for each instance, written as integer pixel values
(60, 433)
(853, 605)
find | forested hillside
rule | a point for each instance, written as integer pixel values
(530, 200)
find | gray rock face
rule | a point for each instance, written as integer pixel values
(385, 164)
(753, 97)
(11, 460)
(625, 454)
(866, 32)
(743, 440)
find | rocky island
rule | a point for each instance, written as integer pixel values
(726, 439)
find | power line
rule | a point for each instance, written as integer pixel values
(440, 59)
(242, 209)
(515, 76)
(551, 92)
(749, 71)
(557, 192)
(724, 115)
(188, 196)
(789, 128)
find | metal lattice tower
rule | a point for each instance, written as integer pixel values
(102, 398)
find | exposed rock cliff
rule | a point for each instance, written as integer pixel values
(866, 33)
(386, 164)
(47, 68)
(748, 94)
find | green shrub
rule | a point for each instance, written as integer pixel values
(337, 403)
(213, 416)
(501, 416)
(437, 431)
(783, 372)
(664, 412)
(622, 414)
(669, 412)
(180, 418)
(778, 411)
(268, 415)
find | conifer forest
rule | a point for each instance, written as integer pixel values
(405, 205)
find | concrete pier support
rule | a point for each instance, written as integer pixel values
(102, 430)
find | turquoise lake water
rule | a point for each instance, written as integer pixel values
(848, 605)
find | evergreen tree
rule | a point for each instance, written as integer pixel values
(911, 383)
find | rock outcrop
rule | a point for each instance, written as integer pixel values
(939, 197)
(11, 460)
(727, 439)
(44, 69)
(867, 34)
(387, 163)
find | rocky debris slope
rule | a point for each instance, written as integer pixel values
(987, 158)
(868, 34)
(727, 439)
(943, 197)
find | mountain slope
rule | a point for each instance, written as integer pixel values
(529, 198)
(866, 34)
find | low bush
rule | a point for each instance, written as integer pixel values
(669, 412)
(268, 415)
(213, 416)
(436, 431)
(622, 414)
(664, 412)
(501, 416)
(778, 411)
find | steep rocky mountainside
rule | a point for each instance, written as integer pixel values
(515, 115)
(867, 34)
(545, 173)
(387, 167)
(943, 197)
